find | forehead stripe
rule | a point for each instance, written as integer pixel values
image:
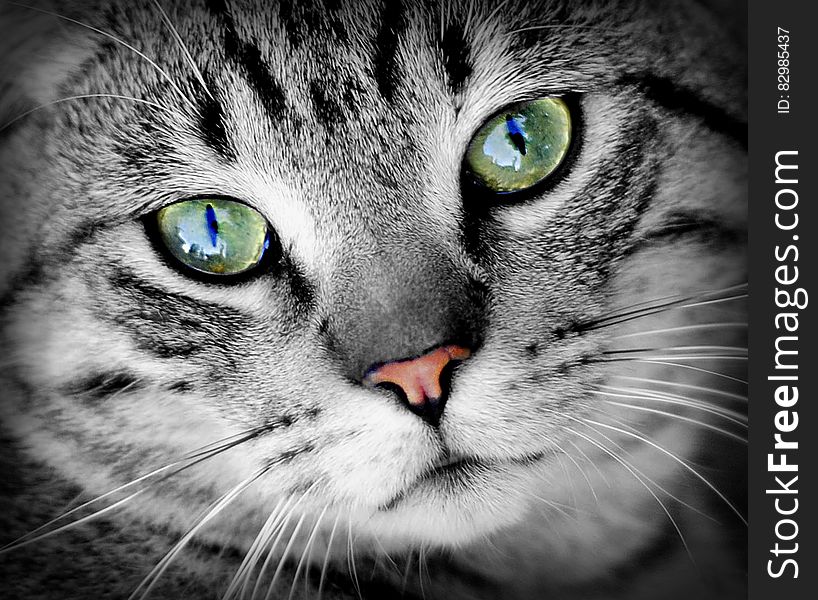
(385, 61)
(456, 52)
(247, 57)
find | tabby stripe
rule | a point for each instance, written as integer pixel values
(674, 97)
(253, 67)
(211, 122)
(170, 325)
(291, 26)
(328, 111)
(99, 386)
(619, 192)
(40, 268)
(385, 61)
(684, 223)
(456, 52)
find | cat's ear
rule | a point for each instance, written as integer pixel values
(38, 52)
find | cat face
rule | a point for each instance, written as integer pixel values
(346, 129)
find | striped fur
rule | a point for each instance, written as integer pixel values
(600, 421)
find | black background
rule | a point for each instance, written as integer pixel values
(769, 133)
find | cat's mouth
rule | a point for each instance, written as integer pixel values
(458, 473)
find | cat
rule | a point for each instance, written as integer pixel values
(371, 299)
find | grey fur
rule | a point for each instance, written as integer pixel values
(345, 126)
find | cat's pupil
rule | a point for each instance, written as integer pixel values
(515, 134)
(212, 224)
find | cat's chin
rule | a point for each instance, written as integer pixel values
(457, 503)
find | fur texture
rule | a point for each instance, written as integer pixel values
(597, 426)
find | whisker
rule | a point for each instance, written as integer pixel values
(568, 478)
(275, 536)
(196, 457)
(406, 570)
(115, 39)
(23, 115)
(149, 582)
(566, 26)
(687, 386)
(591, 462)
(244, 572)
(644, 309)
(676, 459)
(563, 509)
(384, 553)
(493, 13)
(351, 559)
(279, 536)
(658, 357)
(705, 326)
(680, 418)
(627, 467)
(326, 557)
(283, 558)
(716, 301)
(652, 393)
(581, 471)
(653, 482)
(421, 563)
(690, 368)
(635, 394)
(737, 350)
(188, 56)
(304, 554)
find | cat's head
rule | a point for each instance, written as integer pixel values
(351, 136)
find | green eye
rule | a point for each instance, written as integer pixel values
(221, 237)
(521, 146)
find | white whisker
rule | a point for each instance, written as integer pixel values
(565, 26)
(676, 459)
(271, 543)
(734, 350)
(285, 521)
(351, 559)
(326, 557)
(706, 326)
(640, 310)
(634, 394)
(23, 115)
(698, 388)
(421, 564)
(563, 509)
(244, 572)
(653, 482)
(724, 432)
(591, 462)
(581, 471)
(689, 367)
(191, 459)
(117, 40)
(304, 554)
(283, 559)
(633, 472)
(659, 357)
(716, 301)
(188, 56)
(149, 582)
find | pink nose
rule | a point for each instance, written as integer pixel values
(420, 378)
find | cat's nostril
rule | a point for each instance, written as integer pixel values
(421, 382)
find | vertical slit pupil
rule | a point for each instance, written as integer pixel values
(212, 224)
(515, 134)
